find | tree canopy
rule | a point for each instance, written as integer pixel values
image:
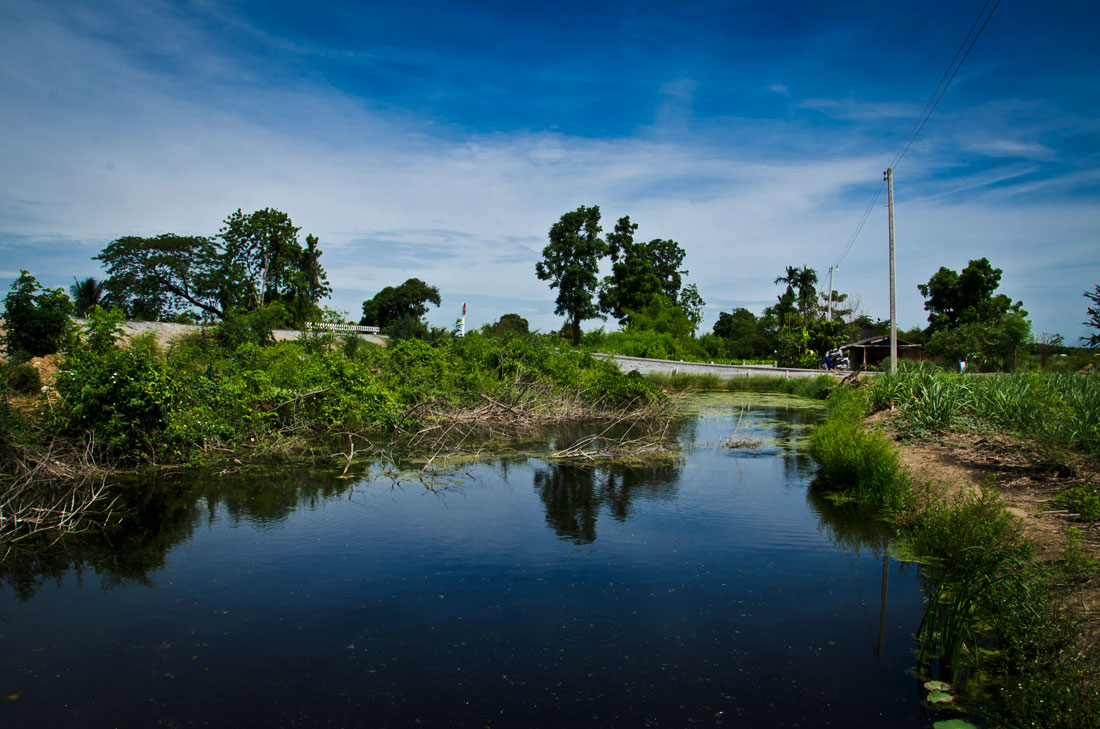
(36, 319)
(571, 263)
(968, 321)
(255, 259)
(965, 297)
(394, 303)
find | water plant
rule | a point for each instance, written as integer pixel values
(856, 461)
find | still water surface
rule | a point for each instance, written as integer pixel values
(713, 591)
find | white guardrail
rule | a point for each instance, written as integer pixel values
(311, 325)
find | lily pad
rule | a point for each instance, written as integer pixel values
(937, 686)
(953, 724)
(940, 697)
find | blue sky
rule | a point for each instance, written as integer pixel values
(442, 140)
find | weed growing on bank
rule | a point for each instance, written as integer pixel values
(994, 625)
(854, 461)
(1059, 411)
(997, 624)
(206, 394)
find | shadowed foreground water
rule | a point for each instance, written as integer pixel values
(714, 591)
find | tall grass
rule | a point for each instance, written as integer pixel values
(1058, 410)
(991, 614)
(856, 461)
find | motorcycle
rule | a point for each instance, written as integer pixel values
(834, 361)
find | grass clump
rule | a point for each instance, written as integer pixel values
(857, 462)
(993, 621)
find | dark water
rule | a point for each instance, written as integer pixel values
(713, 591)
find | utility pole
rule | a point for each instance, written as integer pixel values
(893, 301)
(830, 303)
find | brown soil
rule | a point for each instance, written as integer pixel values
(1013, 466)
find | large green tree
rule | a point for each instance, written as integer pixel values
(964, 297)
(968, 320)
(161, 275)
(571, 263)
(391, 305)
(255, 259)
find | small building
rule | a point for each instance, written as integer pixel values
(872, 351)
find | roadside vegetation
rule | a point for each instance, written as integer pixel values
(230, 392)
(1001, 628)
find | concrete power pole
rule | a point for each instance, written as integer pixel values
(893, 300)
(830, 302)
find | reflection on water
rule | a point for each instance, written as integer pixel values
(574, 496)
(713, 590)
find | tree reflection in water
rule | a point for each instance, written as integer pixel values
(575, 495)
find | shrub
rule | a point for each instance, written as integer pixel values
(122, 396)
(36, 319)
(855, 460)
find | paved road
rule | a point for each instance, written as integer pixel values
(726, 372)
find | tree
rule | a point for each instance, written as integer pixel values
(165, 273)
(1092, 341)
(965, 297)
(509, 325)
(86, 295)
(255, 259)
(967, 320)
(743, 334)
(409, 301)
(801, 282)
(36, 319)
(1045, 342)
(571, 263)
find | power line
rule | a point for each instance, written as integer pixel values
(930, 106)
(908, 143)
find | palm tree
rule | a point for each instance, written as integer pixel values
(86, 295)
(805, 280)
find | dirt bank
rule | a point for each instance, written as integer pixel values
(1028, 486)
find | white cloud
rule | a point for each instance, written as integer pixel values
(130, 151)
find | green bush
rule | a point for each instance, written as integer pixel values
(855, 460)
(122, 395)
(36, 320)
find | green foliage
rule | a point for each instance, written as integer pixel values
(241, 326)
(855, 460)
(1083, 500)
(954, 299)
(991, 609)
(233, 388)
(104, 328)
(256, 259)
(86, 294)
(36, 319)
(400, 308)
(509, 325)
(571, 263)
(644, 274)
(1057, 410)
(122, 395)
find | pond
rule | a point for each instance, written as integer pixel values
(713, 590)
